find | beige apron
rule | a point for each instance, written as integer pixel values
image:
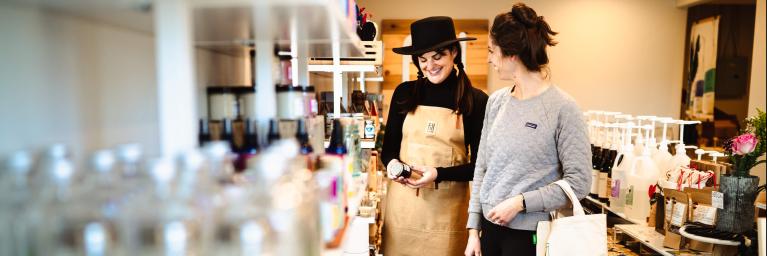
(430, 220)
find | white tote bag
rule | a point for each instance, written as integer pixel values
(576, 235)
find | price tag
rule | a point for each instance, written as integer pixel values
(704, 214)
(669, 208)
(677, 218)
(717, 200)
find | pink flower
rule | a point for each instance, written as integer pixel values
(744, 144)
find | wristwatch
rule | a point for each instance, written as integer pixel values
(524, 206)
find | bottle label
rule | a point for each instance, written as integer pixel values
(616, 188)
(601, 186)
(630, 196)
(594, 181)
(369, 131)
(608, 187)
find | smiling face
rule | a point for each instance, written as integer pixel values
(436, 65)
(503, 65)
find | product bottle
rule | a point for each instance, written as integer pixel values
(303, 138)
(596, 163)
(370, 129)
(643, 175)
(680, 157)
(604, 159)
(227, 133)
(621, 165)
(337, 146)
(203, 135)
(274, 132)
(608, 166)
(663, 158)
(250, 147)
(595, 151)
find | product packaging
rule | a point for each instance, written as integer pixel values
(675, 216)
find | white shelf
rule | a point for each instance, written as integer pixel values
(619, 214)
(229, 26)
(760, 205)
(364, 144)
(646, 235)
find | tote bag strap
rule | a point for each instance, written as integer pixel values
(577, 208)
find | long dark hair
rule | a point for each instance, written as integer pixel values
(523, 33)
(463, 95)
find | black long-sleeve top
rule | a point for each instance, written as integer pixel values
(439, 95)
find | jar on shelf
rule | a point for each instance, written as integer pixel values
(222, 103)
(247, 97)
(290, 102)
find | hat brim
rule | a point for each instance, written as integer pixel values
(410, 50)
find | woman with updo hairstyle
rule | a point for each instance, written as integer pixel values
(533, 136)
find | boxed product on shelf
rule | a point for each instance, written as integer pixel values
(677, 206)
(701, 212)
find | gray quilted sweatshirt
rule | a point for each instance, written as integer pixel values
(525, 146)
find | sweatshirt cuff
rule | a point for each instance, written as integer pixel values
(533, 201)
(440, 174)
(474, 221)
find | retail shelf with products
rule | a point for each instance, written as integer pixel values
(646, 235)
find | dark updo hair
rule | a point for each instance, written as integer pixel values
(523, 33)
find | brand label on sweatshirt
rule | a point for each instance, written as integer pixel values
(531, 125)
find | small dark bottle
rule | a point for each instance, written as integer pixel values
(337, 146)
(303, 138)
(203, 134)
(274, 131)
(227, 134)
(250, 147)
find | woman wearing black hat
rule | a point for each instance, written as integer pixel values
(434, 126)
(534, 136)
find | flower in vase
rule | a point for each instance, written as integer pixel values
(744, 144)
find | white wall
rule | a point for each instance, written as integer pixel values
(64, 79)
(757, 94)
(614, 55)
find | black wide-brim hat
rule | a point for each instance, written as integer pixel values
(430, 34)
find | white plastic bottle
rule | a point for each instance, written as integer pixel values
(643, 174)
(663, 158)
(618, 182)
(680, 157)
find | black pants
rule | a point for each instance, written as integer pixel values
(500, 240)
